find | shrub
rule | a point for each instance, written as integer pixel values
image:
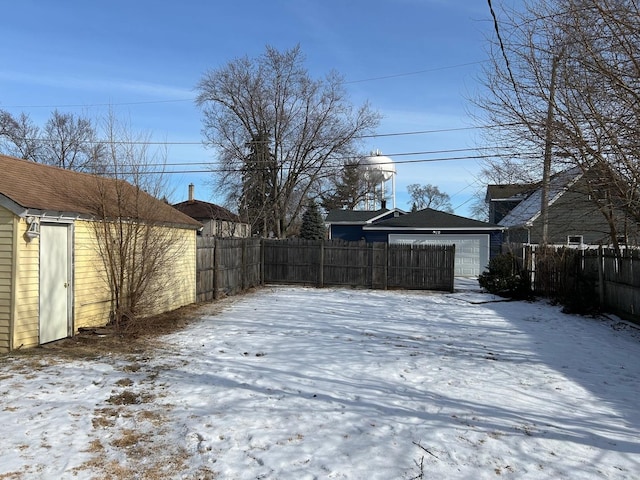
(505, 278)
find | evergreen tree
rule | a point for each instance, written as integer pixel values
(347, 189)
(259, 189)
(312, 223)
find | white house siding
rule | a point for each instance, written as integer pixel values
(472, 250)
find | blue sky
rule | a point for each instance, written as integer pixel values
(416, 61)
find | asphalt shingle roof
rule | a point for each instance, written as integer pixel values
(206, 211)
(509, 191)
(433, 219)
(354, 216)
(55, 190)
(529, 209)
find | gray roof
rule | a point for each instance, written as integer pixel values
(430, 219)
(528, 210)
(512, 191)
(355, 216)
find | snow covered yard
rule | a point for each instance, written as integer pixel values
(296, 383)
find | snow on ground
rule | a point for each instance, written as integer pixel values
(301, 383)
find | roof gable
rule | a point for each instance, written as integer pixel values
(433, 220)
(360, 217)
(45, 189)
(529, 209)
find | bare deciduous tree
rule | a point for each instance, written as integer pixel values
(271, 123)
(137, 249)
(429, 196)
(19, 137)
(66, 141)
(70, 142)
(563, 91)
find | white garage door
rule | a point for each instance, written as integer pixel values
(472, 251)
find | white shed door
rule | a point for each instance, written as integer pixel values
(472, 251)
(54, 282)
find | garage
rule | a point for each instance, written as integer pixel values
(472, 251)
(476, 241)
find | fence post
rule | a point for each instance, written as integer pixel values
(386, 265)
(452, 267)
(372, 264)
(262, 248)
(243, 265)
(216, 268)
(321, 266)
(601, 275)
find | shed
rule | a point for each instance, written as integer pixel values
(52, 278)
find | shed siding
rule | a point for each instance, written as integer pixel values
(92, 300)
(6, 277)
(26, 322)
(179, 280)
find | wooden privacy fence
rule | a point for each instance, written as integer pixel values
(608, 279)
(359, 264)
(227, 266)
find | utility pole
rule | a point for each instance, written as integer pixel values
(548, 144)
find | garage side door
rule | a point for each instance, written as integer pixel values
(472, 251)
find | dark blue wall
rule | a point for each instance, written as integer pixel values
(348, 233)
(354, 233)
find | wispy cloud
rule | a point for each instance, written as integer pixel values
(108, 86)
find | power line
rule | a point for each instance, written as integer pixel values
(376, 135)
(234, 170)
(182, 100)
(418, 72)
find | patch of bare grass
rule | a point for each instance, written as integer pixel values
(127, 397)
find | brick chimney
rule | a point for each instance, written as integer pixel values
(191, 187)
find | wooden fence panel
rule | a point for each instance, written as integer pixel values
(621, 283)
(347, 263)
(205, 269)
(228, 266)
(292, 261)
(611, 279)
(425, 267)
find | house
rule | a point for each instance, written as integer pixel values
(348, 225)
(476, 242)
(217, 221)
(52, 277)
(504, 198)
(573, 218)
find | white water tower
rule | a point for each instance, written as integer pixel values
(378, 171)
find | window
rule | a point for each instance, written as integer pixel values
(574, 240)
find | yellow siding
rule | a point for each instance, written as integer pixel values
(176, 286)
(26, 325)
(6, 277)
(92, 299)
(179, 281)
